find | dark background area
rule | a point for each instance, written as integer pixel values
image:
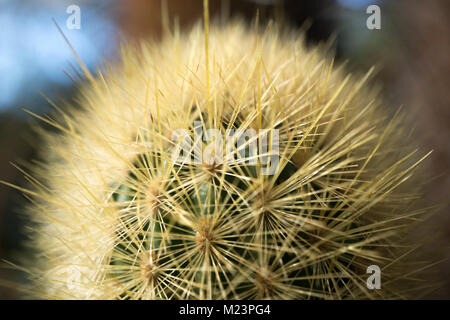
(412, 51)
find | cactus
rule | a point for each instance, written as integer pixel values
(119, 217)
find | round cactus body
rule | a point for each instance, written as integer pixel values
(254, 169)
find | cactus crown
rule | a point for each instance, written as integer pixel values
(120, 217)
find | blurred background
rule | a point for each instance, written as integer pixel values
(412, 50)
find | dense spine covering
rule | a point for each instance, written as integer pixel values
(118, 218)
